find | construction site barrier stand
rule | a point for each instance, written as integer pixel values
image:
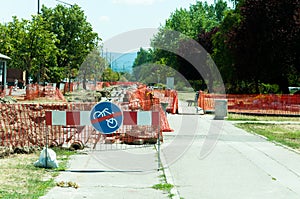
(82, 118)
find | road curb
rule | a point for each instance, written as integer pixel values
(168, 176)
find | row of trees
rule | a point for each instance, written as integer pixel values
(57, 44)
(255, 45)
(174, 39)
(258, 44)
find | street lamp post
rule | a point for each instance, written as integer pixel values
(38, 12)
(65, 3)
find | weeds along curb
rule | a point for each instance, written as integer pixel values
(174, 194)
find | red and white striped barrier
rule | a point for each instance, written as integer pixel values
(82, 118)
(65, 118)
(147, 118)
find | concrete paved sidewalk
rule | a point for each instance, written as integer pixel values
(98, 178)
(240, 165)
(185, 107)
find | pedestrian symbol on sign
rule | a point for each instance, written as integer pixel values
(106, 117)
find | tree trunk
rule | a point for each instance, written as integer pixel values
(84, 81)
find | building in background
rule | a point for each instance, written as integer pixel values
(3, 71)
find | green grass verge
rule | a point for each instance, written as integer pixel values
(286, 134)
(63, 155)
(242, 117)
(20, 179)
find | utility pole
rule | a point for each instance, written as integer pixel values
(68, 67)
(39, 73)
(38, 12)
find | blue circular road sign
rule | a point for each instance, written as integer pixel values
(106, 117)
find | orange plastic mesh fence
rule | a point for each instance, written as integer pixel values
(2, 93)
(170, 97)
(273, 104)
(34, 91)
(24, 125)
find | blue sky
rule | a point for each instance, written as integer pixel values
(108, 17)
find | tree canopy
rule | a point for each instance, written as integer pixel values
(255, 44)
(179, 28)
(52, 45)
(262, 43)
(30, 45)
(75, 35)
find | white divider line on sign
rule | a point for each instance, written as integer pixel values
(144, 118)
(85, 118)
(59, 118)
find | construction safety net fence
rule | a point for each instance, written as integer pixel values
(23, 126)
(267, 104)
(34, 91)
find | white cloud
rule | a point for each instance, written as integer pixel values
(104, 19)
(135, 2)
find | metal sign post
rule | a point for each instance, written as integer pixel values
(158, 150)
(158, 145)
(46, 149)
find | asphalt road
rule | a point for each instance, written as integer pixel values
(222, 161)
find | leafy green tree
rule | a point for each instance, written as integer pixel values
(43, 47)
(263, 44)
(93, 67)
(110, 76)
(181, 21)
(221, 53)
(220, 10)
(75, 35)
(4, 38)
(153, 73)
(200, 17)
(188, 24)
(31, 46)
(143, 56)
(51, 46)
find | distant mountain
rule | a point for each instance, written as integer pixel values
(121, 62)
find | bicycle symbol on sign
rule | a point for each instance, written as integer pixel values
(111, 123)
